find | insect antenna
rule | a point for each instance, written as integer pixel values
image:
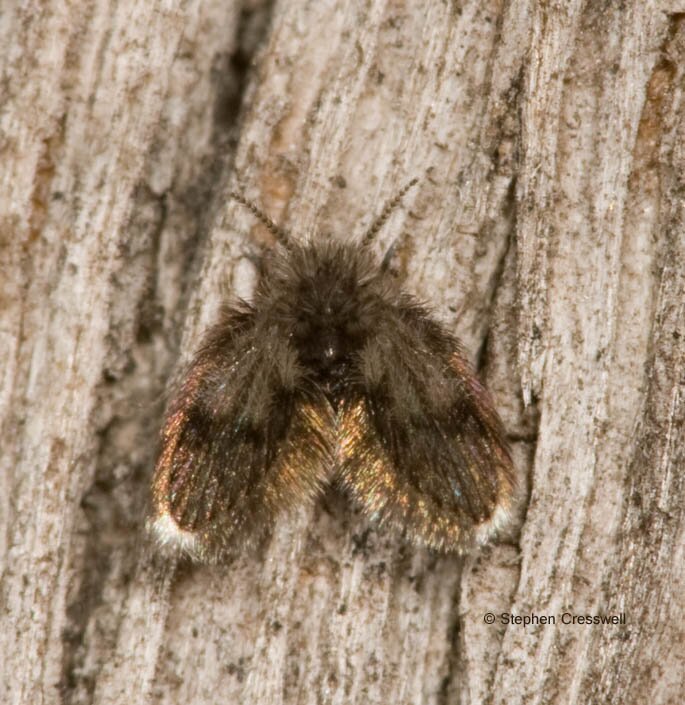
(279, 233)
(385, 213)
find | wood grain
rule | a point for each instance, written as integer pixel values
(547, 231)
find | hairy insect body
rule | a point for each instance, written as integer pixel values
(331, 374)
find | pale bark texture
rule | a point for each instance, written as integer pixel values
(548, 232)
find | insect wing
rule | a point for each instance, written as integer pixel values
(421, 445)
(244, 438)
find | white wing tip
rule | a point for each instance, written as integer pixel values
(169, 534)
(499, 520)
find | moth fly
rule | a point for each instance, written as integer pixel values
(331, 374)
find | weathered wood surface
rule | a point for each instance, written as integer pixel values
(548, 229)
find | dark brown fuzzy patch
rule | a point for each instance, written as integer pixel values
(331, 374)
